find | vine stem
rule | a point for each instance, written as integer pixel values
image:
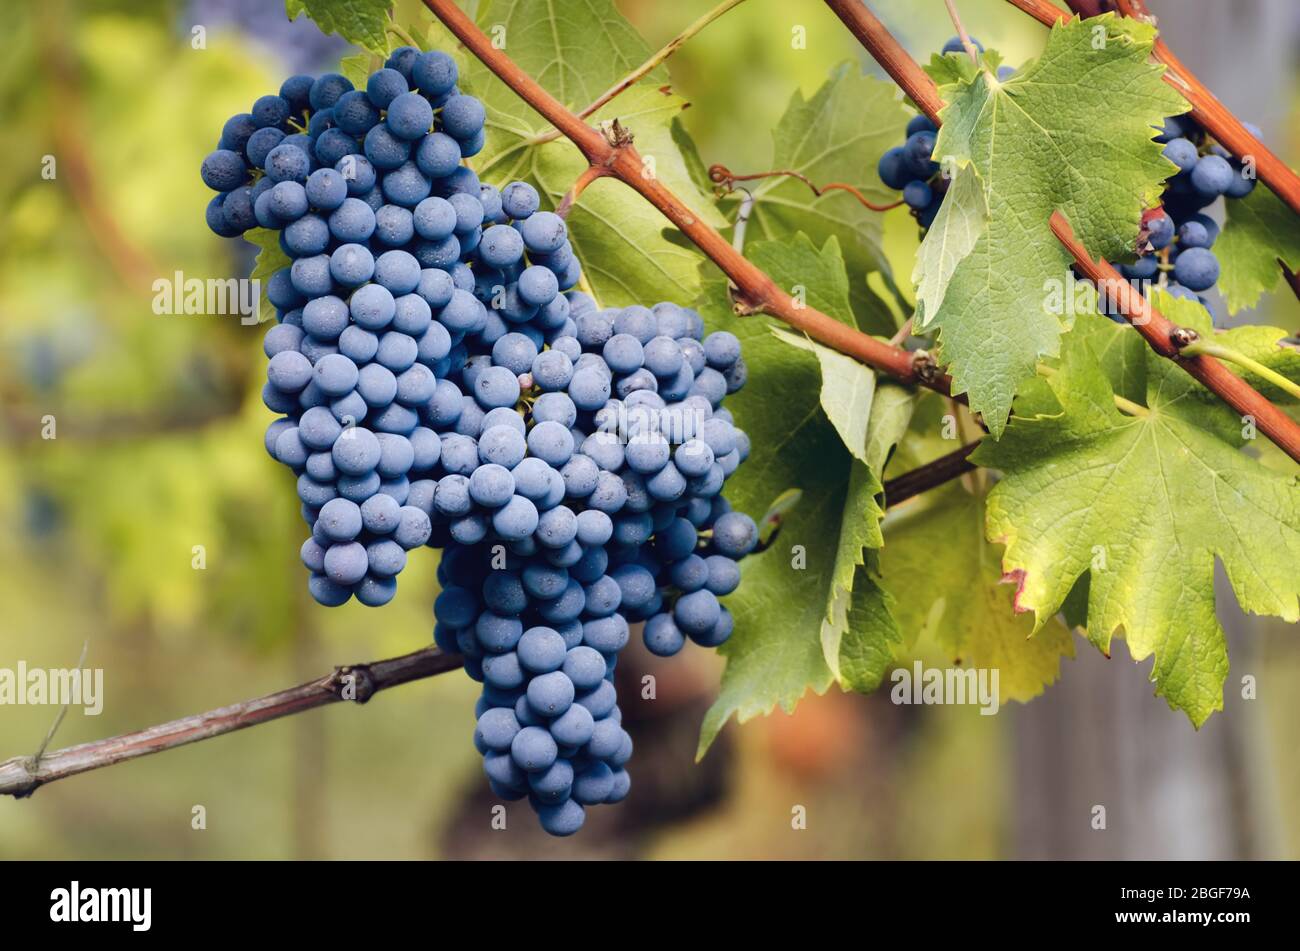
(944, 469)
(1170, 340)
(891, 56)
(620, 159)
(1214, 348)
(589, 175)
(961, 31)
(665, 51)
(23, 775)
(1207, 110)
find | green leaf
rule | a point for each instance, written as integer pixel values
(962, 219)
(871, 638)
(358, 67)
(792, 591)
(358, 21)
(859, 634)
(1259, 231)
(1070, 132)
(846, 392)
(836, 136)
(891, 413)
(270, 258)
(945, 581)
(577, 50)
(1143, 505)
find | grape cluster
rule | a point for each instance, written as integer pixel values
(382, 222)
(909, 168)
(1177, 239)
(441, 383)
(582, 494)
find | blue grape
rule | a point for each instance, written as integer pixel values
(1196, 269)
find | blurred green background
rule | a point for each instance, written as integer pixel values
(159, 449)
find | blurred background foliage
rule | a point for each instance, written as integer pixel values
(159, 449)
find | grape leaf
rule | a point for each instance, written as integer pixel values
(836, 136)
(577, 51)
(1259, 231)
(945, 581)
(1144, 505)
(891, 413)
(1071, 131)
(961, 220)
(358, 67)
(358, 21)
(270, 258)
(847, 390)
(859, 634)
(812, 578)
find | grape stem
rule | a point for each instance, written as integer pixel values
(23, 775)
(726, 179)
(1207, 110)
(961, 32)
(640, 72)
(1164, 336)
(622, 161)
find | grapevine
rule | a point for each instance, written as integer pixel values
(738, 423)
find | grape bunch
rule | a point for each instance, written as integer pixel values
(441, 383)
(909, 168)
(583, 494)
(1177, 239)
(381, 221)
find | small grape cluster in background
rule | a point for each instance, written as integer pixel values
(1180, 235)
(909, 168)
(440, 382)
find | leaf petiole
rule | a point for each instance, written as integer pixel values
(1212, 348)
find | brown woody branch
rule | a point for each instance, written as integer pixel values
(1167, 339)
(23, 775)
(1207, 110)
(932, 474)
(891, 56)
(620, 160)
